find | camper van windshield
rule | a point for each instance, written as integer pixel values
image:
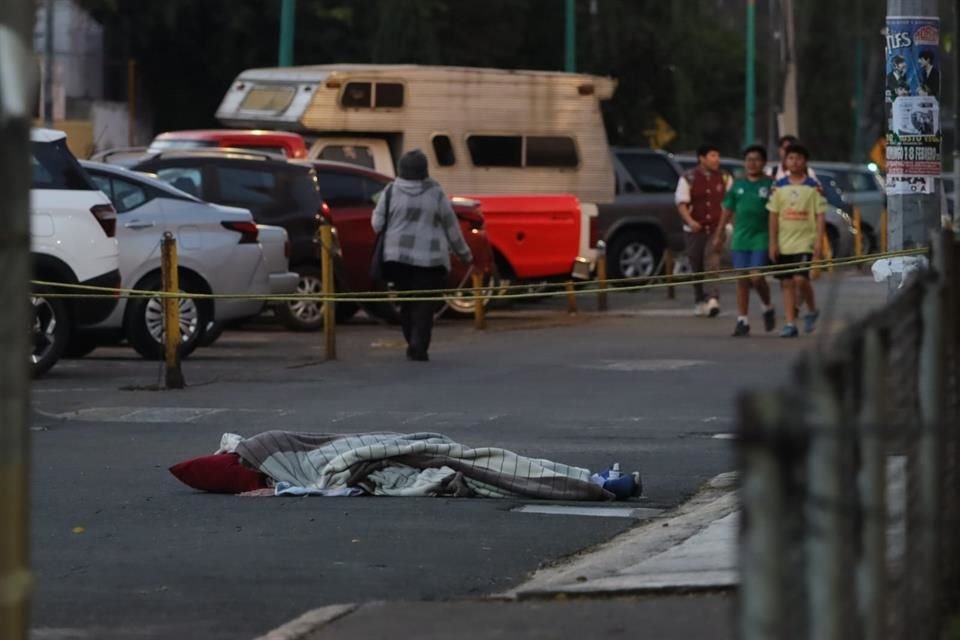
(272, 99)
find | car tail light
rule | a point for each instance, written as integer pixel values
(594, 230)
(324, 211)
(106, 215)
(249, 233)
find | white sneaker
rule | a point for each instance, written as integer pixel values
(713, 307)
(700, 310)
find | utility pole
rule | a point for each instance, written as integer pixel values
(857, 152)
(570, 39)
(749, 134)
(17, 103)
(48, 63)
(913, 124)
(287, 26)
(789, 118)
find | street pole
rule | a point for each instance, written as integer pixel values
(287, 24)
(749, 135)
(17, 102)
(912, 201)
(856, 153)
(570, 41)
(48, 64)
(790, 118)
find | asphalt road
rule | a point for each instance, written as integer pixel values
(122, 550)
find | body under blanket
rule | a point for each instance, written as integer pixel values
(412, 464)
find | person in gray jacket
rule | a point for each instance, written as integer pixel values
(422, 230)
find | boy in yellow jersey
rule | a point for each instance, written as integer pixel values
(797, 207)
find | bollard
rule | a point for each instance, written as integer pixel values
(884, 228)
(326, 275)
(173, 375)
(602, 276)
(857, 232)
(479, 309)
(571, 297)
(669, 266)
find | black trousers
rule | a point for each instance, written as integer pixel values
(416, 318)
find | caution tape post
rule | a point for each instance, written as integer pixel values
(479, 309)
(173, 375)
(669, 266)
(857, 232)
(602, 283)
(327, 286)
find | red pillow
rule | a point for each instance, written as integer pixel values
(220, 473)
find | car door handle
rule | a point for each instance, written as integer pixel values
(138, 225)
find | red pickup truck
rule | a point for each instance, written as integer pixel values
(535, 237)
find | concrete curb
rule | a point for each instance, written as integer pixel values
(604, 570)
(313, 620)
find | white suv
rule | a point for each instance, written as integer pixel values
(72, 229)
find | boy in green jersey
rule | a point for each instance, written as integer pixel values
(797, 232)
(746, 205)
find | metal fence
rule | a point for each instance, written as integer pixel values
(851, 477)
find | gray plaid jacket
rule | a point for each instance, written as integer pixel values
(423, 227)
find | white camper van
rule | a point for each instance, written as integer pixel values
(484, 130)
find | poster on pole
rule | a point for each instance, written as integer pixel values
(913, 104)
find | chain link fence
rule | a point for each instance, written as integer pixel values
(851, 477)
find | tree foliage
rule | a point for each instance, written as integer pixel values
(682, 61)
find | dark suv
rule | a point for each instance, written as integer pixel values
(276, 192)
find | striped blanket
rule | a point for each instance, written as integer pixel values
(412, 464)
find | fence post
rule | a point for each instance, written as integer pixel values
(872, 483)
(326, 282)
(479, 309)
(762, 534)
(828, 544)
(173, 375)
(930, 387)
(669, 266)
(601, 276)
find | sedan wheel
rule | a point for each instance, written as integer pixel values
(51, 328)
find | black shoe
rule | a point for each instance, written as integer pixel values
(742, 329)
(417, 356)
(769, 320)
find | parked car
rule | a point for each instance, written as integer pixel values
(643, 221)
(72, 229)
(351, 193)
(218, 252)
(276, 191)
(284, 143)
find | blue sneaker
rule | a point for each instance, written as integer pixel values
(789, 331)
(810, 321)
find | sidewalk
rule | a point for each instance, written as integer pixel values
(667, 578)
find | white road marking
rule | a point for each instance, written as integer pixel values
(638, 513)
(644, 365)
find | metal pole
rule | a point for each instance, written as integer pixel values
(790, 119)
(856, 153)
(602, 276)
(48, 63)
(287, 26)
(749, 134)
(171, 313)
(912, 216)
(570, 40)
(18, 92)
(326, 278)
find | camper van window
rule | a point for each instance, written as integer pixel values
(496, 151)
(351, 154)
(443, 150)
(389, 95)
(267, 98)
(551, 151)
(357, 94)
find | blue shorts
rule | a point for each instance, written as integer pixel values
(750, 259)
